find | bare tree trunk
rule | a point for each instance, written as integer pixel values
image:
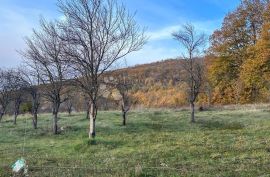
(55, 127)
(55, 118)
(87, 109)
(92, 117)
(16, 113)
(35, 114)
(124, 118)
(1, 116)
(35, 120)
(125, 109)
(15, 118)
(124, 113)
(192, 107)
(35, 105)
(69, 111)
(87, 114)
(16, 109)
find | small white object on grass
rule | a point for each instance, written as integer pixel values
(18, 165)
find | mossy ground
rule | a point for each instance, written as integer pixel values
(154, 143)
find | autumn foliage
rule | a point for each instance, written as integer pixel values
(239, 55)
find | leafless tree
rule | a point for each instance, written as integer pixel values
(124, 84)
(193, 44)
(70, 94)
(5, 91)
(44, 54)
(32, 78)
(97, 34)
(12, 89)
(18, 88)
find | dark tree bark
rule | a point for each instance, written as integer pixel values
(125, 108)
(1, 116)
(56, 106)
(35, 120)
(192, 107)
(2, 113)
(17, 103)
(69, 110)
(35, 106)
(124, 112)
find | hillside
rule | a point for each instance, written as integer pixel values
(160, 84)
(155, 85)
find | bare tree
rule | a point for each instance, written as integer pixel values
(69, 100)
(124, 85)
(44, 54)
(97, 34)
(5, 91)
(122, 82)
(69, 105)
(192, 64)
(32, 78)
(18, 88)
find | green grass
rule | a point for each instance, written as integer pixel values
(154, 143)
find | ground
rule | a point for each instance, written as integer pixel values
(154, 143)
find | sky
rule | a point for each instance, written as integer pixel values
(160, 17)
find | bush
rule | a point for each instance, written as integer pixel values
(26, 108)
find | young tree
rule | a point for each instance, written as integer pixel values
(69, 101)
(123, 84)
(32, 78)
(97, 34)
(44, 54)
(192, 64)
(5, 91)
(18, 88)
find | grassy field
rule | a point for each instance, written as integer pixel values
(154, 143)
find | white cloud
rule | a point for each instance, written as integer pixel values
(165, 33)
(162, 46)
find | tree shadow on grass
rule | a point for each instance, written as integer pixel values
(218, 125)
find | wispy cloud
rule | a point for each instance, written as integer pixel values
(162, 46)
(165, 33)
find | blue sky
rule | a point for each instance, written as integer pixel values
(161, 17)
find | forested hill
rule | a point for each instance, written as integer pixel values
(159, 84)
(163, 72)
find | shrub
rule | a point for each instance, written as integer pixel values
(26, 108)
